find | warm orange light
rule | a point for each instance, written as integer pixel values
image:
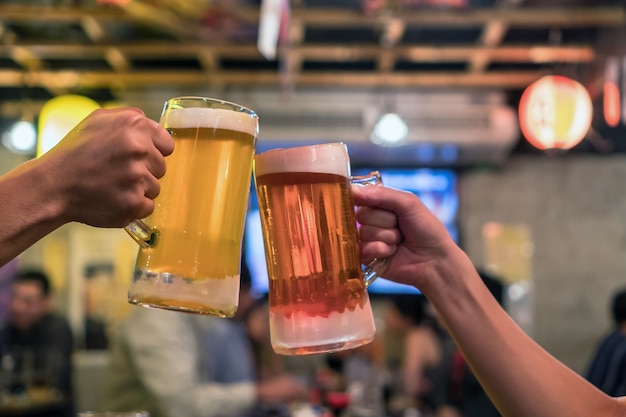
(611, 98)
(121, 3)
(611, 104)
(555, 112)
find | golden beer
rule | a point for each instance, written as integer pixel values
(199, 214)
(318, 299)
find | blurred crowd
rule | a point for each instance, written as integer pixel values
(173, 364)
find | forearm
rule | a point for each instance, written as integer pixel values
(521, 378)
(30, 208)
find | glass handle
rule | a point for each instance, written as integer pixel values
(373, 178)
(142, 234)
(374, 269)
(377, 266)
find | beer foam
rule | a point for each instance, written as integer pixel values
(212, 119)
(327, 158)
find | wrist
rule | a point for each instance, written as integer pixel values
(29, 207)
(51, 197)
(448, 275)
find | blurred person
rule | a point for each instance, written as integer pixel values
(607, 369)
(521, 378)
(412, 351)
(99, 288)
(175, 364)
(459, 394)
(267, 363)
(34, 331)
(104, 173)
(7, 273)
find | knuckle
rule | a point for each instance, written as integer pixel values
(134, 144)
(133, 208)
(133, 118)
(156, 190)
(135, 173)
(160, 167)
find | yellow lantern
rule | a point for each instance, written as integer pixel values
(60, 115)
(555, 113)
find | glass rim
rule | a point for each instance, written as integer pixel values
(232, 105)
(330, 157)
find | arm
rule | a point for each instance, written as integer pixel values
(520, 377)
(103, 173)
(166, 357)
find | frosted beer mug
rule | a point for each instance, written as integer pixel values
(190, 251)
(317, 287)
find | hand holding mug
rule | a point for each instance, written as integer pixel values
(107, 168)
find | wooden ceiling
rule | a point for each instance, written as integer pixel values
(99, 50)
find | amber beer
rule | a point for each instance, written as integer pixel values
(199, 213)
(318, 299)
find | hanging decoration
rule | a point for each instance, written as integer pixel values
(120, 3)
(555, 113)
(611, 94)
(273, 26)
(623, 90)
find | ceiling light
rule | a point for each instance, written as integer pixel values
(389, 130)
(21, 137)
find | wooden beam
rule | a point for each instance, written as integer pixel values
(519, 17)
(105, 79)
(291, 56)
(312, 52)
(25, 58)
(191, 42)
(385, 61)
(117, 60)
(162, 18)
(7, 36)
(93, 29)
(208, 59)
(15, 108)
(492, 35)
(3, 32)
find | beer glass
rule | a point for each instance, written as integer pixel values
(317, 287)
(190, 246)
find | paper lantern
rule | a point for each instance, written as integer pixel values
(555, 113)
(60, 115)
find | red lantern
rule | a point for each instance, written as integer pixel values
(611, 101)
(555, 112)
